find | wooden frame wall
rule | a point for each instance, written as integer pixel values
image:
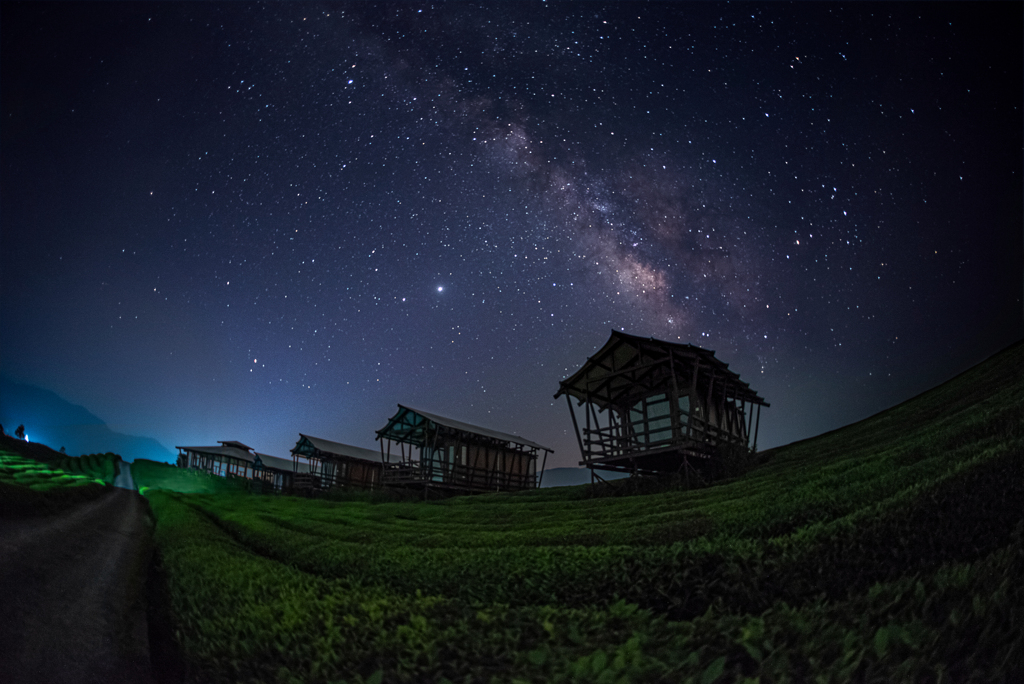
(619, 431)
(460, 461)
(339, 471)
(223, 465)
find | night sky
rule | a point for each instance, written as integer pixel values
(242, 222)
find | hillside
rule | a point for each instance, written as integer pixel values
(34, 450)
(49, 418)
(890, 550)
(36, 480)
(157, 475)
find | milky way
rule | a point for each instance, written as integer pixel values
(233, 221)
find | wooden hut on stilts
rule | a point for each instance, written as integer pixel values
(652, 407)
(333, 465)
(424, 450)
(233, 459)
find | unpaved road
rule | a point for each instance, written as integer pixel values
(124, 477)
(72, 594)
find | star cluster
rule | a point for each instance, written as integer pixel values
(239, 221)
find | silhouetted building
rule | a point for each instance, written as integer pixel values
(333, 464)
(651, 406)
(234, 459)
(420, 449)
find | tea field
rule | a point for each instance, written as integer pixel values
(890, 550)
(154, 474)
(29, 486)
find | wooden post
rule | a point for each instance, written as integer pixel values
(598, 429)
(707, 407)
(647, 423)
(473, 474)
(750, 423)
(587, 410)
(673, 408)
(694, 400)
(433, 450)
(720, 406)
(756, 426)
(576, 427)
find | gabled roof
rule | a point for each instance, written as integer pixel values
(237, 445)
(286, 464)
(232, 451)
(306, 444)
(411, 425)
(609, 368)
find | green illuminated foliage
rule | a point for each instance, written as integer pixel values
(890, 550)
(29, 487)
(155, 475)
(103, 467)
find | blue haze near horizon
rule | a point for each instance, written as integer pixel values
(58, 423)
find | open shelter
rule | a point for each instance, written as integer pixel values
(333, 464)
(650, 406)
(421, 449)
(234, 459)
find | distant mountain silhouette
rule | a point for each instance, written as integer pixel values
(58, 423)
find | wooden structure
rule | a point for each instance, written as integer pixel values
(234, 459)
(433, 452)
(651, 406)
(332, 464)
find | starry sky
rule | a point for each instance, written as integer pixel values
(244, 221)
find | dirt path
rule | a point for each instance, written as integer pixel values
(71, 594)
(124, 478)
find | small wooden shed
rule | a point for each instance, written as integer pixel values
(333, 464)
(420, 449)
(649, 406)
(234, 459)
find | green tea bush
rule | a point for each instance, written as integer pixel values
(103, 467)
(887, 551)
(242, 617)
(29, 488)
(159, 475)
(966, 513)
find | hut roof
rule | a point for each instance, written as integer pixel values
(411, 425)
(237, 445)
(614, 368)
(287, 464)
(335, 448)
(232, 451)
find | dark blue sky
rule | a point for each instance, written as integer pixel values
(235, 221)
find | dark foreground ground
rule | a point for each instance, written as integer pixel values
(72, 594)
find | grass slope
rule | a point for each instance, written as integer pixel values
(156, 475)
(35, 479)
(888, 550)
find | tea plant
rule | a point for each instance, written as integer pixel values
(29, 487)
(886, 551)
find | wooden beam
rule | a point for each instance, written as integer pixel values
(575, 426)
(757, 425)
(750, 424)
